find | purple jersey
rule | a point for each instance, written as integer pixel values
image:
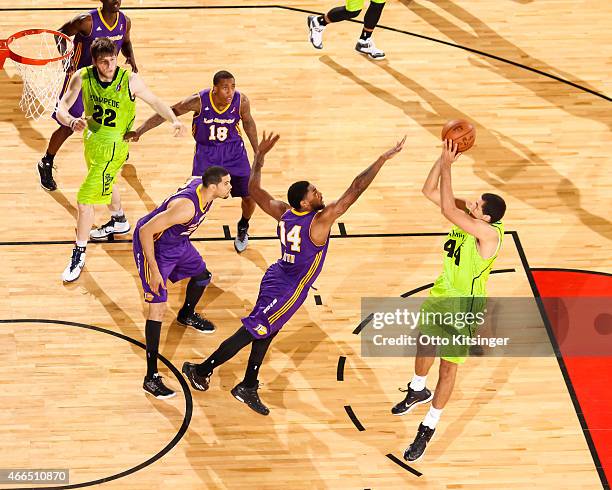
(177, 234)
(218, 137)
(82, 51)
(286, 283)
(99, 28)
(298, 253)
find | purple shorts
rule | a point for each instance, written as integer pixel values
(231, 156)
(175, 262)
(277, 302)
(77, 108)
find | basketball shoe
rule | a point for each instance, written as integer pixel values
(45, 171)
(250, 397)
(76, 264)
(418, 446)
(368, 47)
(241, 242)
(156, 387)
(117, 225)
(194, 320)
(197, 381)
(316, 32)
(413, 398)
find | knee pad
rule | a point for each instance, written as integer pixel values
(353, 14)
(203, 279)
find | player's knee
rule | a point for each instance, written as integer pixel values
(351, 14)
(447, 368)
(203, 279)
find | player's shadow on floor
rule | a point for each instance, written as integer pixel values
(11, 93)
(567, 98)
(513, 169)
(128, 172)
(59, 198)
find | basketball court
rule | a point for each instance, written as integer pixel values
(530, 78)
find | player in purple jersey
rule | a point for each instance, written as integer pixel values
(162, 251)
(215, 128)
(304, 226)
(106, 21)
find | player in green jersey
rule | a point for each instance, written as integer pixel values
(470, 250)
(108, 94)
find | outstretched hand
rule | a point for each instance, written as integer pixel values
(132, 136)
(267, 143)
(399, 146)
(450, 152)
(179, 129)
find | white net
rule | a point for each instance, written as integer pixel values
(41, 83)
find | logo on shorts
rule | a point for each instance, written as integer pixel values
(267, 308)
(261, 329)
(148, 296)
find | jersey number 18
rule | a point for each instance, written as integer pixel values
(217, 133)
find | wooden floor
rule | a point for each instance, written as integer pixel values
(71, 395)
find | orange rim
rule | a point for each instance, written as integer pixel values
(5, 45)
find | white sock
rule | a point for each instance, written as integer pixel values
(117, 214)
(82, 244)
(418, 382)
(432, 418)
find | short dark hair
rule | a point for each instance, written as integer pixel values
(103, 46)
(494, 206)
(297, 191)
(213, 175)
(221, 75)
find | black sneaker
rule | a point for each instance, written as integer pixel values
(156, 387)
(417, 448)
(198, 382)
(194, 320)
(45, 170)
(250, 397)
(413, 398)
(241, 242)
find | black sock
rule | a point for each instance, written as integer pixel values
(192, 296)
(48, 158)
(365, 35)
(152, 331)
(243, 223)
(321, 20)
(258, 352)
(228, 349)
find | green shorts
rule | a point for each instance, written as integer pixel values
(450, 321)
(354, 5)
(104, 160)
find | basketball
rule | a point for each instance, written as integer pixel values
(461, 132)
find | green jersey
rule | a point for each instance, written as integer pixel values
(465, 271)
(109, 106)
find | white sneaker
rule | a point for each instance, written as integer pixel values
(368, 47)
(316, 32)
(75, 266)
(115, 226)
(241, 242)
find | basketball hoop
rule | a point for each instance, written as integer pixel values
(35, 54)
